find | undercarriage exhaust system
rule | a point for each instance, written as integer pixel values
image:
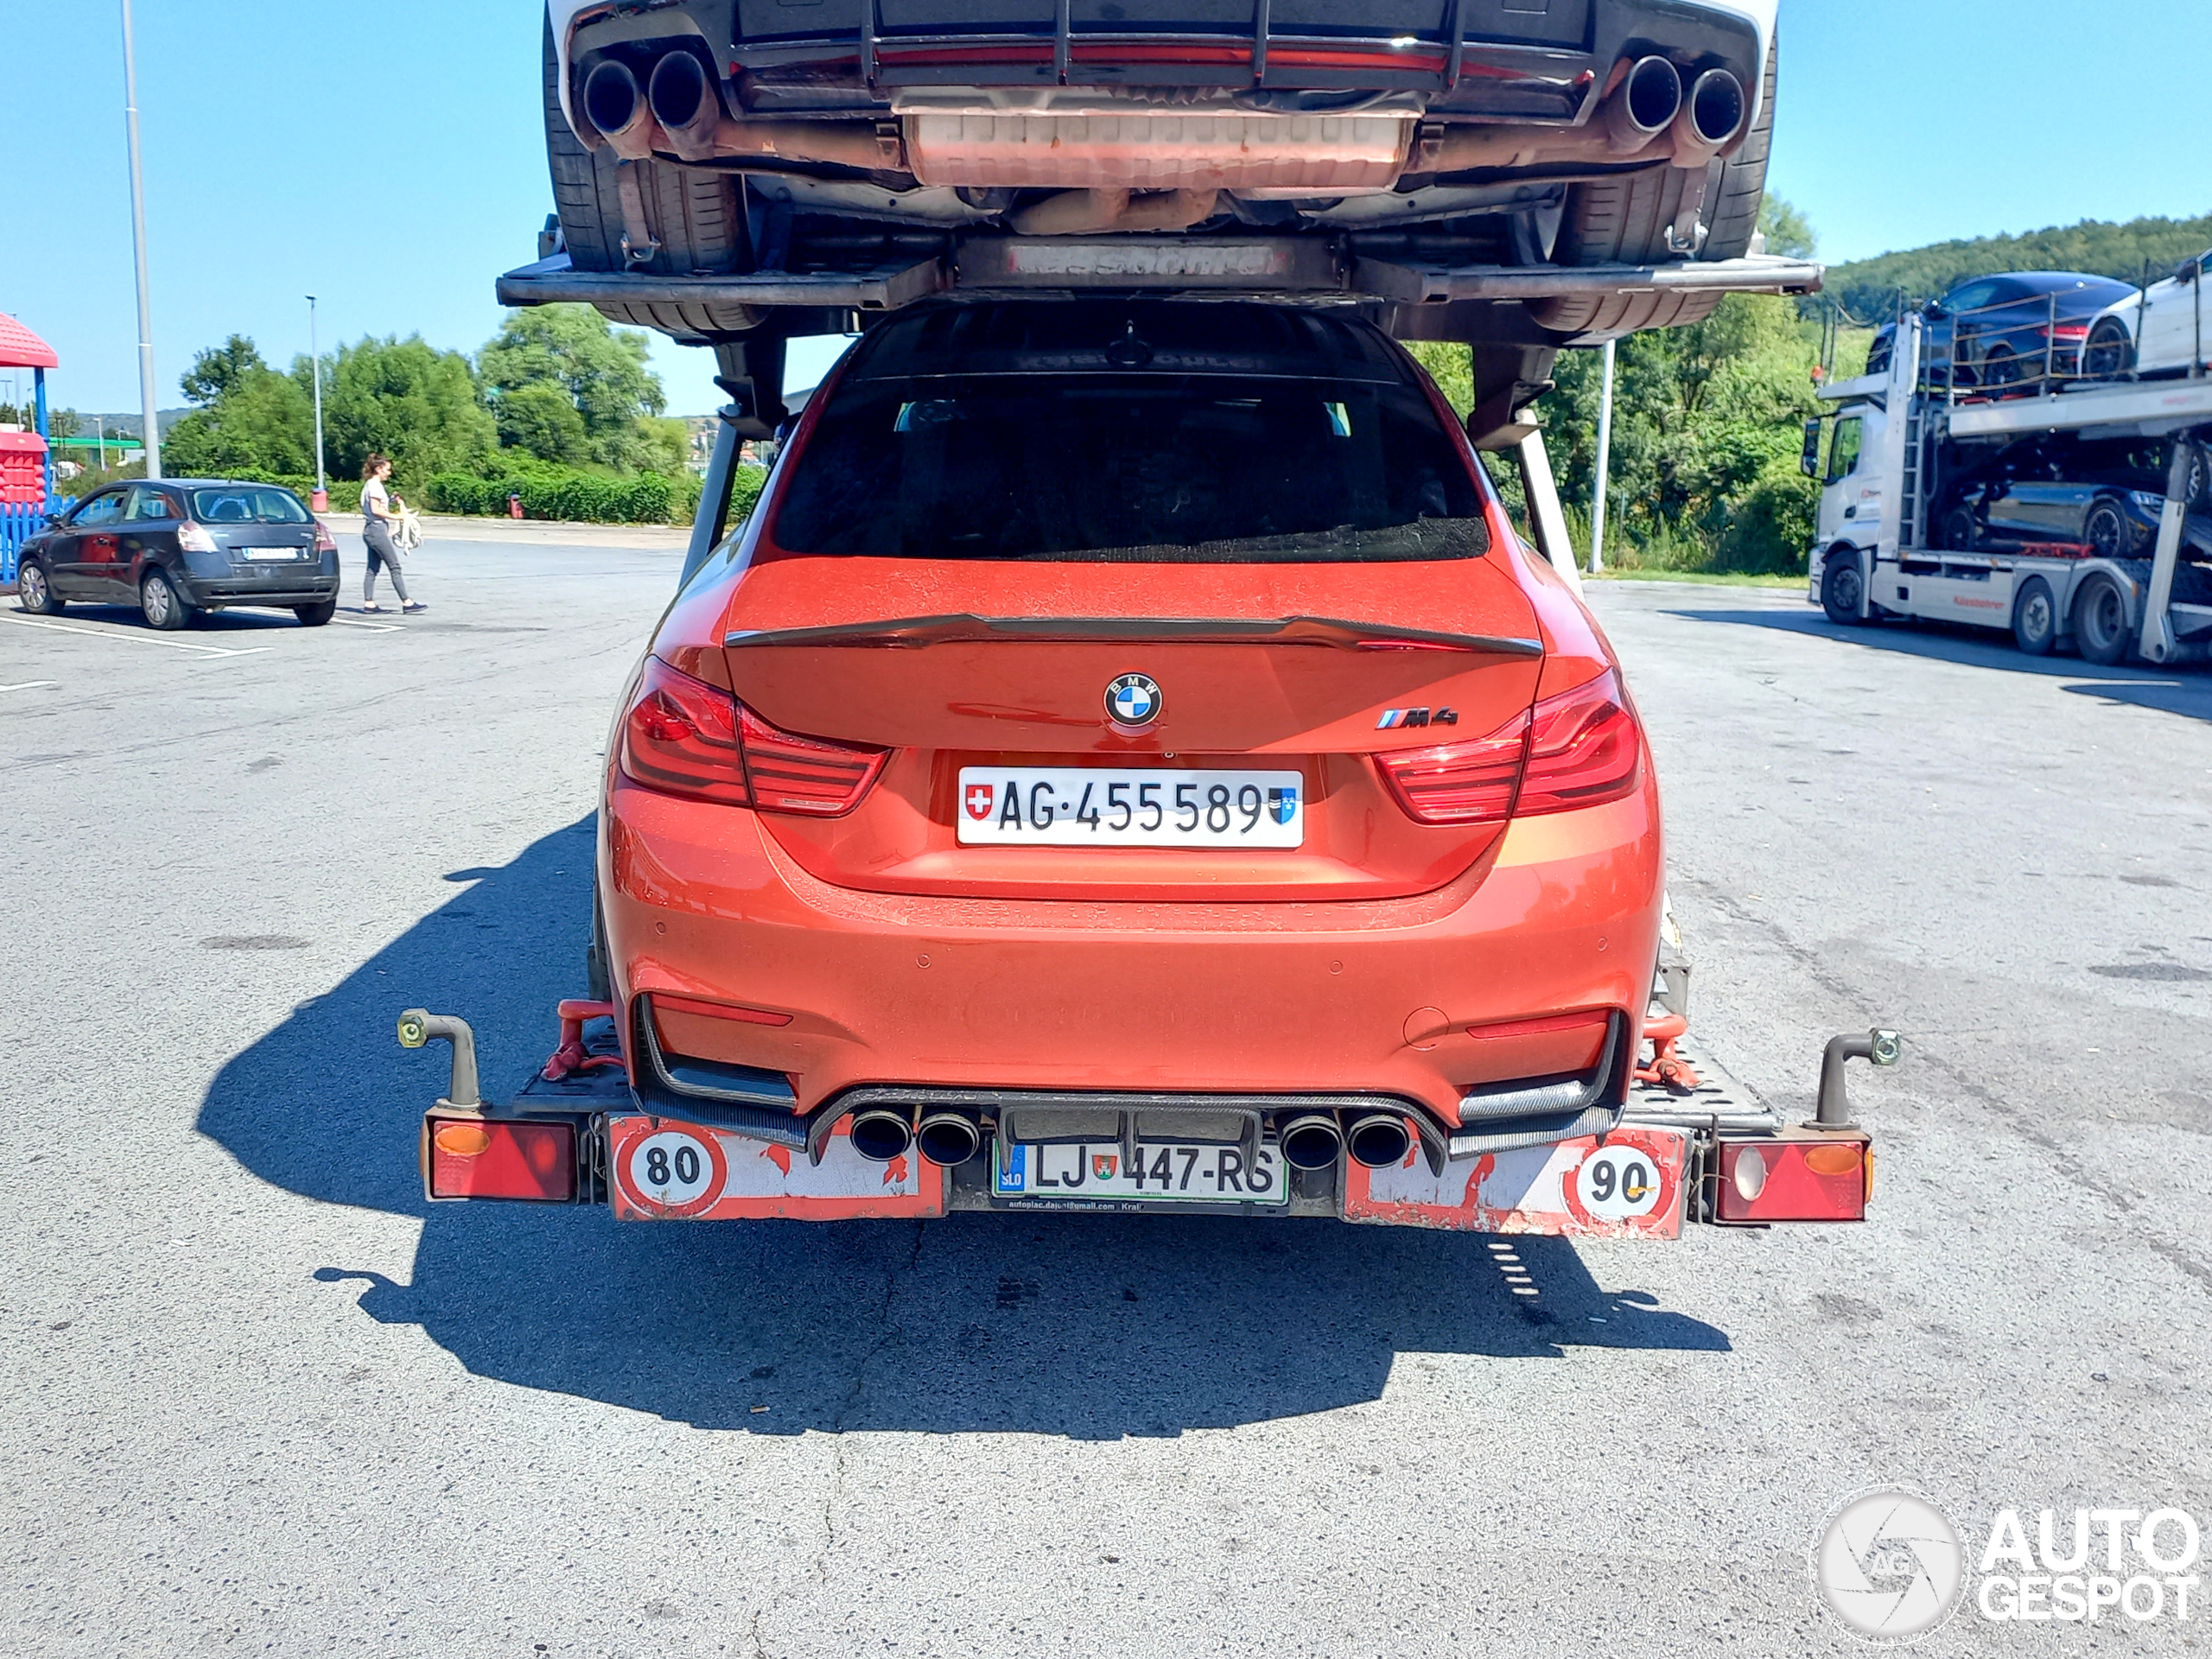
(949, 1138)
(615, 105)
(686, 103)
(1311, 1141)
(1379, 1140)
(881, 1134)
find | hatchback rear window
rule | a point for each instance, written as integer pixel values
(1138, 445)
(246, 504)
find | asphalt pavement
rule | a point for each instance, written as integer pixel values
(259, 1396)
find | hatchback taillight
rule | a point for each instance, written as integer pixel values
(685, 737)
(194, 539)
(1578, 748)
(324, 541)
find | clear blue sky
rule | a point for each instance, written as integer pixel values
(390, 158)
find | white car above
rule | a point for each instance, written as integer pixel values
(2162, 330)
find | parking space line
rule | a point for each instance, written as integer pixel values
(373, 628)
(29, 685)
(140, 638)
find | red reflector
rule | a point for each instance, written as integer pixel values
(1584, 749)
(685, 737)
(471, 1158)
(665, 1002)
(1822, 1179)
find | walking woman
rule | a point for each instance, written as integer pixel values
(377, 520)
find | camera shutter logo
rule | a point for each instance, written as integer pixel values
(1890, 1565)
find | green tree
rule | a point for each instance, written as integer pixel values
(405, 399)
(540, 419)
(219, 368)
(602, 370)
(1868, 289)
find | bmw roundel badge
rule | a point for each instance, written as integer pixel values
(1134, 700)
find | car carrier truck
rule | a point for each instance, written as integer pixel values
(1897, 446)
(1517, 179)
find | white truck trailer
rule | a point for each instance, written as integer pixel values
(1896, 444)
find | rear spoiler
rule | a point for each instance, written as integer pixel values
(918, 631)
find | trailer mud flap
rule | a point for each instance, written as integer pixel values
(663, 1169)
(1631, 1186)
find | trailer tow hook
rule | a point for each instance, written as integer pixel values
(570, 1057)
(419, 1026)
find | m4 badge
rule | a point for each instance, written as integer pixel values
(1405, 718)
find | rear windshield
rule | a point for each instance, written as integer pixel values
(1134, 447)
(247, 504)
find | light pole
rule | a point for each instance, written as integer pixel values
(322, 502)
(138, 237)
(1605, 466)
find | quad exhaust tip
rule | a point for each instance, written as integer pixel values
(1379, 1140)
(947, 1138)
(616, 105)
(1311, 1142)
(1713, 115)
(685, 101)
(881, 1134)
(1650, 98)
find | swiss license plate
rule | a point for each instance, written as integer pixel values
(1160, 1172)
(1100, 807)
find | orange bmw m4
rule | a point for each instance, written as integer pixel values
(1126, 760)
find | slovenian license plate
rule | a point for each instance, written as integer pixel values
(1097, 806)
(1158, 1172)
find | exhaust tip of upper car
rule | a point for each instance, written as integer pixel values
(616, 107)
(1648, 99)
(1716, 108)
(683, 99)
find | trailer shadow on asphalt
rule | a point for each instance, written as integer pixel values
(1092, 1327)
(2186, 692)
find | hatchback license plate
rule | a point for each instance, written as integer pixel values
(1097, 806)
(264, 555)
(1160, 1172)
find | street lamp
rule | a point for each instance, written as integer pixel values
(322, 499)
(138, 238)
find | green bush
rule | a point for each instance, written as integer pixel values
(567, 494)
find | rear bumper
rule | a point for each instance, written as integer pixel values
(1369, 998)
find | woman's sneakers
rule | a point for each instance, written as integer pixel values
(414, 605)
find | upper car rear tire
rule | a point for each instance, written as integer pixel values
(2100, 630)
(313, 616)
(2104, 527)
(696, 215)
(1625, 220)
(33, 592)
(1959, 530)
(161, 604)
(2035, 618)
(2110, 351)
(1843, 588)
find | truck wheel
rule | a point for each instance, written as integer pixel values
(694, 213)
(2104, 528)
(1625, 220)
(2101, 620)
(2199, 487)
(1842, 589)
(2035, 618)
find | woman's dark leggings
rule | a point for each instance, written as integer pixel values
(378, 535)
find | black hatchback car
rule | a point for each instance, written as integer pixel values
(2009, 331)
(182, 546)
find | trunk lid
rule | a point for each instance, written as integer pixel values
(1305, 669)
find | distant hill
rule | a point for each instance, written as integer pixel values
(1868, 288)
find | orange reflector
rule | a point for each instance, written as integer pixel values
(468, 1158)
(1792, 1178)
(462, 1140)
(1836, 1158)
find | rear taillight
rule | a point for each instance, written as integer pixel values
(194, 539)
(324, 541)
(2070, 331)
(1578, 748)
(475, 1157)
(1584, 749)
(685, 737)
(1460, 783)
(1814, 1176)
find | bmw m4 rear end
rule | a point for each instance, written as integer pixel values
(1127, 760)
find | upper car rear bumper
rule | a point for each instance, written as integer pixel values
(1369, 998)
